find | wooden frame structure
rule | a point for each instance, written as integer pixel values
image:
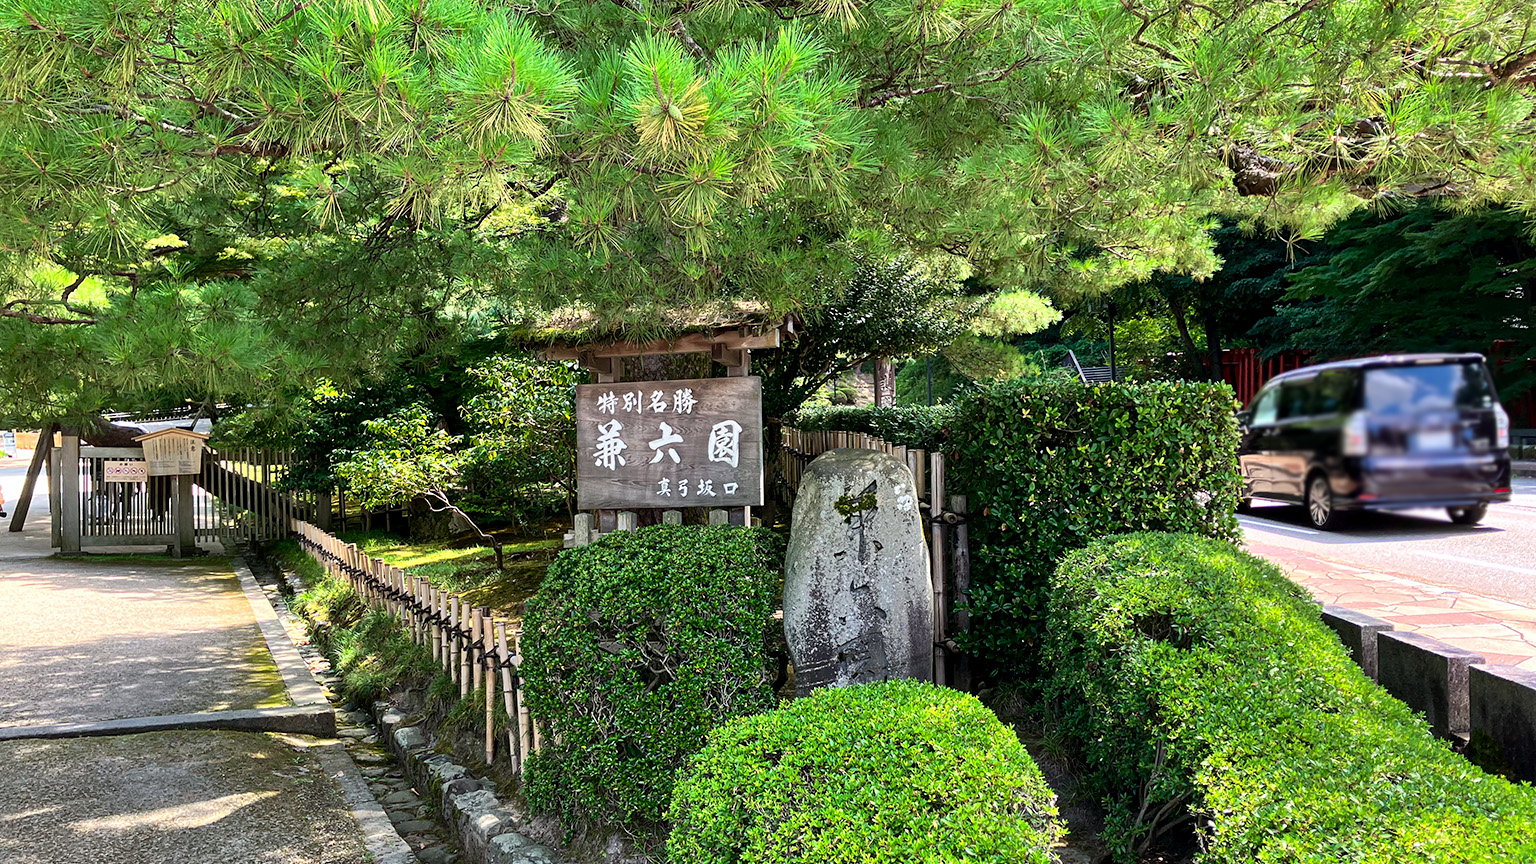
(730, 346)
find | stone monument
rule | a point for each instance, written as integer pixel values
(858, 604)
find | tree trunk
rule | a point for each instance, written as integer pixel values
(1213, 346)
(1191, 353)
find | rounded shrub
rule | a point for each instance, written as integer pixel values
(893, 772)
(1208, 695)
(635, 647)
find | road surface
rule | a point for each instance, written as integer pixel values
(1494, 559)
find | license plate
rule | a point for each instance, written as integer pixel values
(1432, 440)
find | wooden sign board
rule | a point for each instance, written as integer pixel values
(125, 471)
(171, 452)
(670, 444)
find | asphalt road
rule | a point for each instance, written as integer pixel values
(1496, 558)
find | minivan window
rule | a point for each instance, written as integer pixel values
(1333, 392)
(1417, 389)
(1265, 407)
(1296, 398)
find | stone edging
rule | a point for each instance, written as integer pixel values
(277, 623)
(467, 807)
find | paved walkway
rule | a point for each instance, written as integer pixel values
(111, 637)
(173, 798)
(1501, 631)
(104, 637)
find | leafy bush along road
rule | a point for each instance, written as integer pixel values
(637, 645)
(1203, 685)
(875, 774)
(1051, 465)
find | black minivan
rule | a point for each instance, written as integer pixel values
(1379, 433)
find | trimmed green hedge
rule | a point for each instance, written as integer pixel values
(1050, 465)
(886, 773)
(637, 645)
(1202, 683)
(903, 425)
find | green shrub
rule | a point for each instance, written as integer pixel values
(1203, 685)
(905, 425)
(1050, 465)
(637, 645)
(893, 772)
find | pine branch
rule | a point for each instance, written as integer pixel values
(10, 310)
(991, 76)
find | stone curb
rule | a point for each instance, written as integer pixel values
(293, 719)
(302, 687)
(381, 839)
(383, 842)
(468, 807)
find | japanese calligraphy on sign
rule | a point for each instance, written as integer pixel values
(670, 444)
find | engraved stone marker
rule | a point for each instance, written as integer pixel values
(858, 604)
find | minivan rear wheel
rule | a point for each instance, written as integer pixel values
(1321, 506)
(1468, 515)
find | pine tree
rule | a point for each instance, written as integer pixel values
(235, 193)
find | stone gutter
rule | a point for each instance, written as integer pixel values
(468, 807)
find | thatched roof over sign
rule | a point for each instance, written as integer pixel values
(576, 326)
(728, 333)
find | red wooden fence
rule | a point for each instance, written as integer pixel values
(1246, 371)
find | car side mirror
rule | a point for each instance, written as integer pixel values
(1244, 420)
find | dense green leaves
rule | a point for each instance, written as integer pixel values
(1050, 465)
(1201, 684)
(898, 772)
(637, 645)
(370, 167)
(903, 425)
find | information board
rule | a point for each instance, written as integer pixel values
(670, 444)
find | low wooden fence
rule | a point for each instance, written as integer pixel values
(949, 558)
(472, 646)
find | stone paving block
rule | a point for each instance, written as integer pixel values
(1502, 706)
(1358, 632)
(1429, 675)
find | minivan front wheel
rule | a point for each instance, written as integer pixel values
(1468, 515)
(1321, 506)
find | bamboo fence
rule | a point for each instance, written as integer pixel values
(469, 643)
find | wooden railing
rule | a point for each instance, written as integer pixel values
(467, 642)
(949, 557)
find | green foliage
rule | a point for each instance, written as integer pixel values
(637, 645)
(885, 309)
(1428, 278)
(224, 201)
(1201, 683)
(1052, 464)
(368, 648)
(883, 773)
(913, 382)
(905, 425)
(521, 429)
(405, 456)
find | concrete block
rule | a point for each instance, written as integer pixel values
(1429, 675)
(1502, 707)
(1358, 632)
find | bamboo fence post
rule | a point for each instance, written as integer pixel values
(509, 700)
(461, 642)
(940, 619)
(532, 740)
(962, 577)
(437, 631)
(483, 624)
(476, 666)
